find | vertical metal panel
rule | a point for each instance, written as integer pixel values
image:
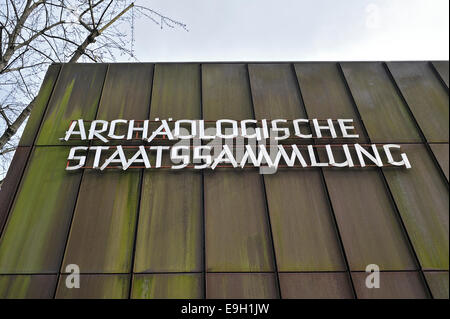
(11, 182)
(426, 97)
(111, 230)
(385, 116)
(442, 69)
(226, 92)
(40, 105)
(176, 91)
(421, 195)
(103, 226)
(27, 286)
(241, 286)
(95, 287)
(366, 219)
(237, 234)
(170, 223)
(315, 286)
(275, 92)
(325, 95)
(76, 95)
(167, 286)
(126, 93)
(393, 285)
(170, 220)
(438, 283)
(34, 238)
(440, 151)
(303, 232)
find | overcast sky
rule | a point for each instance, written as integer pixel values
(263, 30)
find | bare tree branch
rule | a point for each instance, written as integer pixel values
(35, 33)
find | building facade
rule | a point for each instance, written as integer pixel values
(232, 233)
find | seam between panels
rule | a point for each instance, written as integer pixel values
(389, 191)
(203, 195)
(266, 202)
(423, 138)
(26, 163)
(330, 203)
(141, 185)
(431, 154)
(58, 279)
(438, 75)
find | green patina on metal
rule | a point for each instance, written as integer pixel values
(170, 223)
(27, 286)
(171, 286)
(421, 195)
(96, 287)
(34, 238)
(39, 106)
(75, 96)
(104, 221)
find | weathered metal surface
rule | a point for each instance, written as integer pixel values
(442, 69)
(365, 215)
(226, 92)
(327, 285)
(393, 285)
(426, 97)
(440, 151)
(103, 228)
(237, 233)
(241, 286)
(95, 287)
(421, 195)
(167, 286)
(110, 232)
(304, 235)
(11, 182)
(170, 229)
(34, 237)
(325, 96)
(126, 93)
(438, 283)
(384, 114)
(76, 95)
(275, 92)
(170, 234)
(40, 105)
(176, 92)
(27, 286)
